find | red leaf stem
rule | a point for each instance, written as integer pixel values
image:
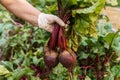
(61, 40)
(53, 39)
(58, 38)
(86, 67)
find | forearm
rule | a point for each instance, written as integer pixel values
(22, 9)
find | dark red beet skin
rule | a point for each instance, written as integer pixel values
(24, 78)
(68, 59)
(50, 57)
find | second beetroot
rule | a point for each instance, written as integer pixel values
(68, 59)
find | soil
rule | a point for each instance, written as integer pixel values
(114, 15)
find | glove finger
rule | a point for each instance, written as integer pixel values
(49, 28)
(59, 21)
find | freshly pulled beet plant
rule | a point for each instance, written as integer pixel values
(58, 40)
(68, 59)
(50, 57)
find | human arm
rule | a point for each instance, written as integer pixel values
(24, 10)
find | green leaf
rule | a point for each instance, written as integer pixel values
(76, 39)
(87, 78)
(109, 38)
(3, 42)
(112, 2)
(96, 7)
(18, 73)
(36, 60)
(116, 70)
(26, 61)
(116, 44)
(68, 3)
(83, 55)
(109, 75)
(2, 78)
(59, 73)
(10, 78)
(86, 19)
(103, 28)
(109, 78)
(7, 64)
(4, 71)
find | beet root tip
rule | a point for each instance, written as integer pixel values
(68, 59)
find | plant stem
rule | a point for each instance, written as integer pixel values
(71, 76)
(113, 39)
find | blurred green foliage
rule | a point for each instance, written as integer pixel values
(21, 46)
(118, 3)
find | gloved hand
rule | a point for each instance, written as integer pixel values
(46, 21)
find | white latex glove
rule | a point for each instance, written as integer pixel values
(46, 21)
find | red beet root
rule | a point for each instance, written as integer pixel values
(50, 57)
(68, 59)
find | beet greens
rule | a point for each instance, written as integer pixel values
(96, 53)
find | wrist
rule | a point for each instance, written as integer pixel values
(35, 18)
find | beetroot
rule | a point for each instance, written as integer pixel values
(50, 57)
(68, 59)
